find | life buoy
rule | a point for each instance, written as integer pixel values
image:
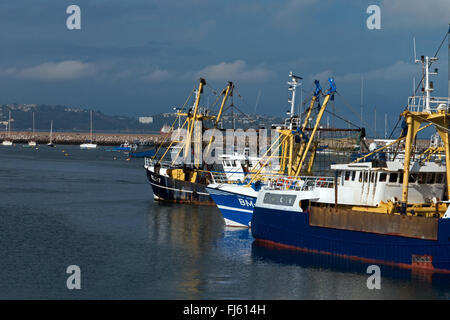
(289, 182)
(279, 182)
(321, 183)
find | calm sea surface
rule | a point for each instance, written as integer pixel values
(93, 208)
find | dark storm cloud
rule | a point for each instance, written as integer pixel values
(139, 57)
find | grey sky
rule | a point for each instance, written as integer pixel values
(141, 57)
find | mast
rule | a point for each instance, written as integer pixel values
(362, 88)
(33, 125)
(293, 84)
(330, 95)
(192, 117)
(9, 124)
(385, 125)
(51, 130)
(226, 93)
(433, 111)
(375, 121)
(91, 127)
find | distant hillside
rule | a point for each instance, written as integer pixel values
(67, 119)
(78, 120)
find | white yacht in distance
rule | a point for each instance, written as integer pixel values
(32, 143)
(8, 142)
(89, 145)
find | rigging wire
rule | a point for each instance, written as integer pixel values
(357, 116)
(341, 118)
(243, 100)
(395, 127)
(435, 55)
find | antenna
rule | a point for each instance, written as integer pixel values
(362, 88)
(415, 57)
(293, 84)
(257, 99)
(375, 118)
(385, 125)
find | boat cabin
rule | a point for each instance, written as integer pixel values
(368, 183)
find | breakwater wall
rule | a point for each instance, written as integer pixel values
(107, 139)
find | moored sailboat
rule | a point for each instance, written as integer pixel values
(32, 142)
(8, 142)
(89, 145)
(50, 143)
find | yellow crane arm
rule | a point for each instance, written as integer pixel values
(311, 138)
(227, 92)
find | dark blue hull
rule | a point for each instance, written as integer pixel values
(292, 230)
(172, 190)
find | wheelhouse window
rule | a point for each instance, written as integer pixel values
(347, 175)
(383, 177)
(439, 177)
(365, 176)
(430, 177)
(353, 175)
(393, 177)
(422, 178)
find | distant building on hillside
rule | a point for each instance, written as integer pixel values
(145, 120)
(165, 129)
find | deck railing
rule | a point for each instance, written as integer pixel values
(152, 162)
(300, 183)
(418, 104)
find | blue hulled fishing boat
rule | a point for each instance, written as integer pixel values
(387, 212)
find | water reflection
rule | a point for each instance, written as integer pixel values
(235, 243)
(184, 236)
(195, 228)
(316, 261)
(192, 255)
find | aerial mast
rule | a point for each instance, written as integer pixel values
(293, 84)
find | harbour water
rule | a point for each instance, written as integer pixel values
(94, 209)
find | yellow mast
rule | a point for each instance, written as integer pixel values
(226, 92)
(415, 115)
(192, 119)
(316, 126)
(287, 139)
(306, 122)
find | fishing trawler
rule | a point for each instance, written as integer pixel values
(236, 201)
(178, 179)
(125, 147)
(386, 212)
